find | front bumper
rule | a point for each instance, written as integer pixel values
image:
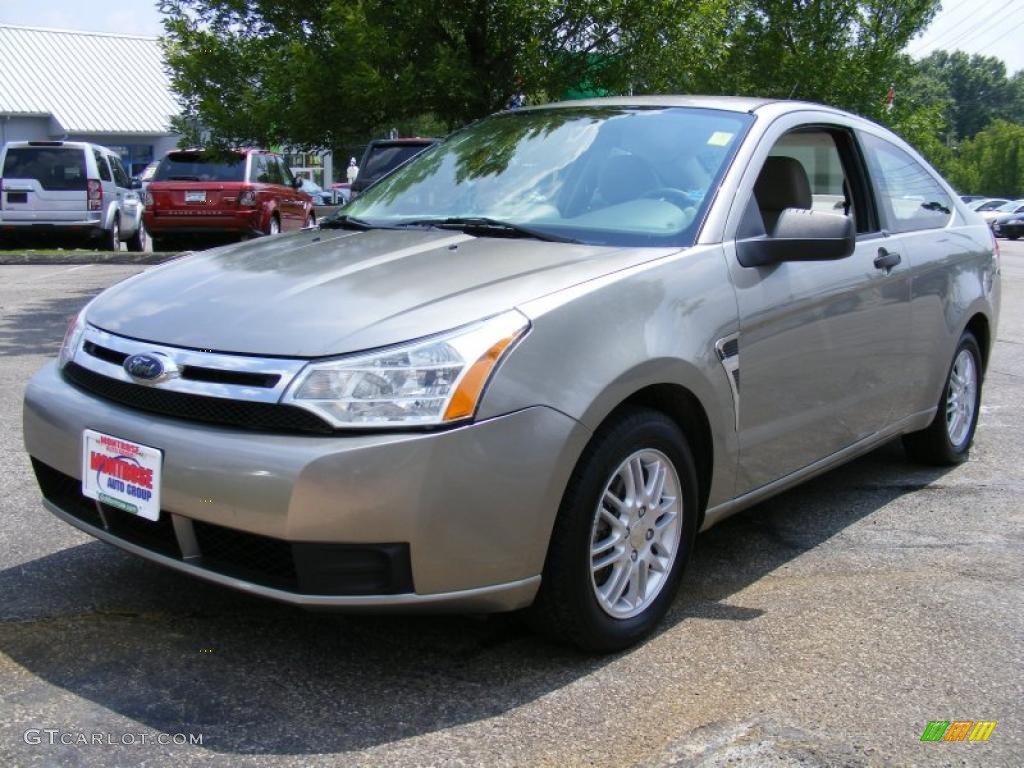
(472, 506)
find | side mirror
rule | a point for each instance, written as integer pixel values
(800, 235)
(136, 182)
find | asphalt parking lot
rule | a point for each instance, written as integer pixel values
(825, 627)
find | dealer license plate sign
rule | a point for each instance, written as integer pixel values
(121, 473)
(195, 197)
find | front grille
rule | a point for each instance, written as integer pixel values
(313, 568)
(66, 493)
(193, 372)
(244, 414)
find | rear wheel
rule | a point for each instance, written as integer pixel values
(111, 240)
(137, 242)
(162, 244)
(623, 535)
(947, 440)
(310, 221)
(274, 227)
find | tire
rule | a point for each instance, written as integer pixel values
(947, 440)
(163, 244)
(111, 240)
(137, 242)
(1012, 237)
(310, 221)
(577, 600)
(274, 226)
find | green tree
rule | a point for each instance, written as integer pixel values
(992, 163)
(324, 73)
(977, 90)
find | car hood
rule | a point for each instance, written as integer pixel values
(330, 292)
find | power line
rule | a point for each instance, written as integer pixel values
(1015, 27)
(951, 31)
(972, 31)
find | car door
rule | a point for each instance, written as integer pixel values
(128, 198)
(821, 343)
(915, 207)
(295, 202)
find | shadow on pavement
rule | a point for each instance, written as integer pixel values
(38, 329)
(179, 655)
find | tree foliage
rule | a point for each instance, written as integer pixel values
(992, 163)
(320, 73)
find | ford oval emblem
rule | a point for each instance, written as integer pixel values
(150, 367)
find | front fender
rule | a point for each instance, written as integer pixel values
(593, 346)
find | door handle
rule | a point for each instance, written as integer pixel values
(887, 259)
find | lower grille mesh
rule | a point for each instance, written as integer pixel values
(243, 414)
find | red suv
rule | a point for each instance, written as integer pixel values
(249, 192)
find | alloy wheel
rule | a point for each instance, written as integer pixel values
(635, 534)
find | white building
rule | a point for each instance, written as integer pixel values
(86, 86)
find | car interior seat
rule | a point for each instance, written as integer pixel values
(781, 184)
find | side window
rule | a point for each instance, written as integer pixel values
(286, 172)
(101, 164)
(274, 175)
(909, 194)
(810, 169)
(259, 169)
(120, 177)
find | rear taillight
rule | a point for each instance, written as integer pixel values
(94, 193)
(247, 199)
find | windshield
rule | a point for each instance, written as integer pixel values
(193, 166)
(601, 175)
(1010, 207)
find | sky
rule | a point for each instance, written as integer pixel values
(989, 27)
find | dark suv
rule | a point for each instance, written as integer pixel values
(249, 192)
(382, 156)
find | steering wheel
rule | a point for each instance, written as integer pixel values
(672, 195)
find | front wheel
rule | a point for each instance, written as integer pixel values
(623, 535)
(947, 440)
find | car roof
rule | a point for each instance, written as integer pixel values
(59, 143)
(748, 104)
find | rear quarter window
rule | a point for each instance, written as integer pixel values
(911, 197)
(57, 169)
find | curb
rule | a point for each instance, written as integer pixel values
(72, 259)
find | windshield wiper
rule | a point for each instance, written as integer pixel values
(485, 225)
(344, 221)
(183, 178)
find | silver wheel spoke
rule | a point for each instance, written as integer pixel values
(615, 501)
(635, 534)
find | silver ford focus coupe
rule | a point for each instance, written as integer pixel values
(523, 370)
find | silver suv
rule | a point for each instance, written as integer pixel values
(71, 189)
(527, 367)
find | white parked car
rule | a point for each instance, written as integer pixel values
(69, 188)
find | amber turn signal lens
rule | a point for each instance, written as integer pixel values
(464, 401)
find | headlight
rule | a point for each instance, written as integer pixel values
(72, 338)
(434, 381)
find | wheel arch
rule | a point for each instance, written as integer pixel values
(685, 409)
(981, 328)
